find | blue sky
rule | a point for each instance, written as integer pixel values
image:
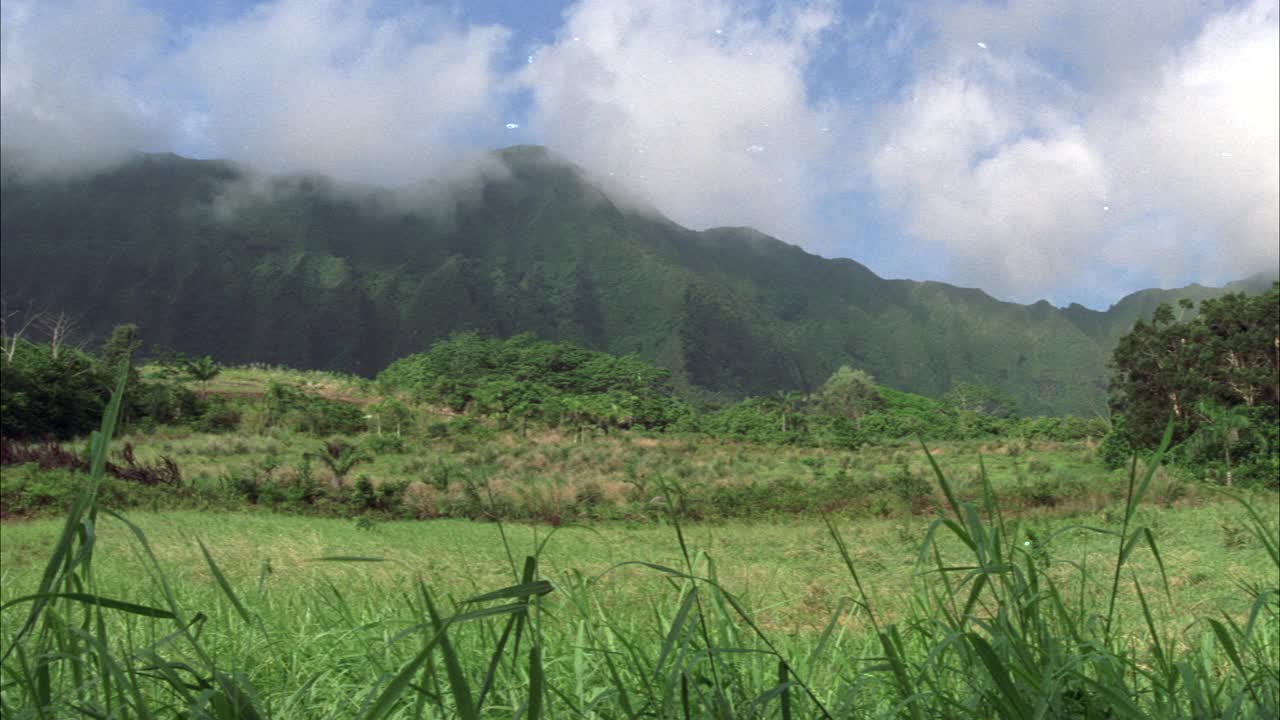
(1062, 149)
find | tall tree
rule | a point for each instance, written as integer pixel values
(849, 393)
(1227, 355)
(1220, 429)
(58, 327)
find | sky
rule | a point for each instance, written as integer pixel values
(1069, 150)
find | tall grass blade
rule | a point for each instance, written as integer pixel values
(224, 585)
(783, 672)
(464, 704)
(1132, 499)
(537, 679)
(942, 480)
(61, 557)
(95, 601)
(1012, 704)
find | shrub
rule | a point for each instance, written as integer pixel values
(1116, 449)
(217, 416)
(384, 444)
(913, 487)
(41, 395)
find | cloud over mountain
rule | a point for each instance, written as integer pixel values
(335, 87)
(1062, 148)
(700, 109)
(70, 91)
(1032, 165)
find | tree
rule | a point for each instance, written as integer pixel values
(58, 327)
(203, 370)
(1222, 427)
(41, 395)
(1244, 336)
(392, 412)
(340, 457)
(13, 323)
(849, 393)
(1228, 355)
(787, 404)
(980, 399)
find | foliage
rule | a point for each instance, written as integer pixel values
(203, 370)
(1216, 374)
(970, 397)
(316, 275)
(1046, 640)
(392, 413)
(526, 378)
(291, 406)
(849, 394)
(41, 395)
(1116, 449)
(341, 457)
(1226, 355)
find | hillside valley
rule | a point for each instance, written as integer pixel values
(208, 258)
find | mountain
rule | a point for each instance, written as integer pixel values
(208, 258)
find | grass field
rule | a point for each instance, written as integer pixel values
(316, 638)
(633, 576)
(548, 477)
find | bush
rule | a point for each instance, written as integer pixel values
(522, 377)
(42, 396)
(384, 444)
(914, 488)
(29, 489)
(292, 407)
(1116, 449)
(217, 417)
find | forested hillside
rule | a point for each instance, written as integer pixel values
(303, 272)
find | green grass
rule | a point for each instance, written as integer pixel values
(321, 637)
(472, 469)
(960, 609)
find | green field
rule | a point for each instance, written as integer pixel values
(546, 475)
(271, 543)
(301, 636)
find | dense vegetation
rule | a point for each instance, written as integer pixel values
(1003, 619)
(1216, 374)
(462, 431)
(1010, 569)
(1041, 587)
(524, 378)
(301, 272)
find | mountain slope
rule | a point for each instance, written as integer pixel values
(304, 272)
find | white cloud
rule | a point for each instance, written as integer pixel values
(334, 87)
(1205, 146)
(1027, 176)
(699, 108)
(70, 95)
(1075, 148)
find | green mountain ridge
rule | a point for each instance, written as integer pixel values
(208, 258)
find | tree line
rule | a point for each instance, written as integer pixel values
(1213, 369)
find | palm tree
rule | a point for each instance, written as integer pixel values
(340, 457)
(1223, 426)
(788, 404)
(203, 369)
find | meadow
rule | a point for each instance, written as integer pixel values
(451, 464)
(308, 546)
(1134, 597)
